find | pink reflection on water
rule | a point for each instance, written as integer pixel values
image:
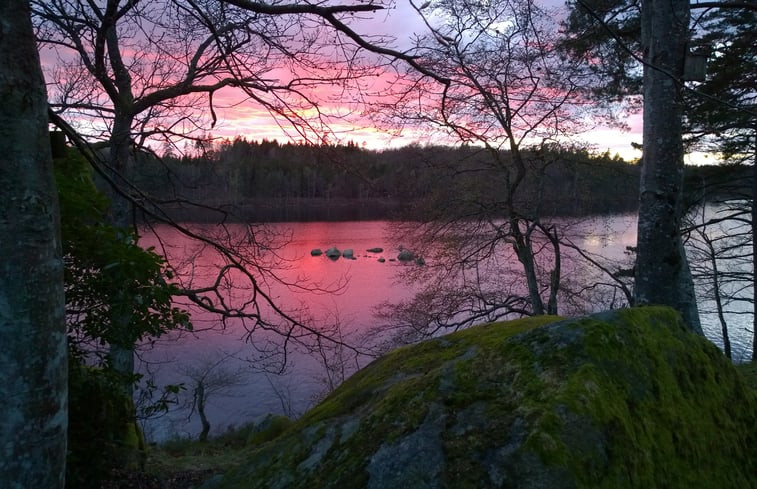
(360, 285)
(297, 282)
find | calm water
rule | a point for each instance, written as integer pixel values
(244, 392)
(360, 284)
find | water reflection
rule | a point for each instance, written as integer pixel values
(324, 293)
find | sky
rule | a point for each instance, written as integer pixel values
(400, 22)
(237, 117)
(250, 122)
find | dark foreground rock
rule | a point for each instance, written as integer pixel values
(621, 399)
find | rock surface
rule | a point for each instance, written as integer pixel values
(621, 399)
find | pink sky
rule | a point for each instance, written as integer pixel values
(236, 117)
(251, 122)
(400, 22)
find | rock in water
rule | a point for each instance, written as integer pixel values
(316, 252)
(405, 255)
(333, 253)
(623, 399)
(349, 254)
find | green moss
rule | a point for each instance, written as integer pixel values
(749, 372)
(624, 399)
(665, 405)
(404, 364)
(269, 429)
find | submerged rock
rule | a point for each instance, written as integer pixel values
(349, 254)
(316, 252)
(622, 399)
(375, 250)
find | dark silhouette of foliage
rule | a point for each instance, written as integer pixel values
(721, 113)
(268, 181)
(107, 275)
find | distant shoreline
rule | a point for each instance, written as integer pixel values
(302, 209)
(296, 209)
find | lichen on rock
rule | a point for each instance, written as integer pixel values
(626, 398)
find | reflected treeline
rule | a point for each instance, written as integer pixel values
(268, 181)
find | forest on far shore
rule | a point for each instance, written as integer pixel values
(269, 182)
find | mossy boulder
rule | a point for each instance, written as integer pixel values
(627, 398)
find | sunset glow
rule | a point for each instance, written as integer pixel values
(346, 123)
(340, 114)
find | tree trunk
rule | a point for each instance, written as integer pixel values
(661, 266)
(713, 277)
(33, 358)
(121, 215)
(754, 251)
(525, 253)
(688, 297)
(555, 275)
(117, 157)
(121, 160)
(200, 401)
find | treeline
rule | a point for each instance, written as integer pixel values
(268, 181)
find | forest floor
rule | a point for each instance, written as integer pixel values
(178, 480)
(186, 464)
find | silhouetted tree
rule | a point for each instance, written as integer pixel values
(512, 94)
(131, 72)
(654, 39)
(210, 378)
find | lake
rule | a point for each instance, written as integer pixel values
(240, 369)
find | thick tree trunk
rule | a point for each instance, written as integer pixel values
(33, 357)
(661, 265)
(754, 251)
(118, 159)
(121, 215)
(121, 161)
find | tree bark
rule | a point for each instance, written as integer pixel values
(525, 253)
(661, 265)
(717, 297)
(200, 398)
(121, 215)
(33, 357)
(754, 250)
